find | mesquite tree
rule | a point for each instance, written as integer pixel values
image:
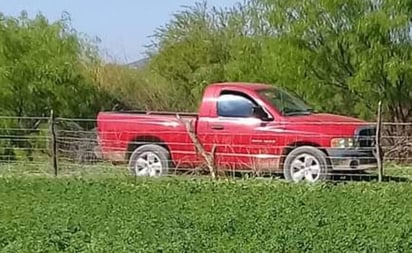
(43, 66)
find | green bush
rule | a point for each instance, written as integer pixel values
(45, 65)
(66, 215)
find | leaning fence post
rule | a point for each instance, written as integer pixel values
(378, 142)
(53, 138)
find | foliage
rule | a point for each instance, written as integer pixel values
(135, 89)
(43, 68)
(66, 215)
(342, 57)
(358, 48)
(194, 48)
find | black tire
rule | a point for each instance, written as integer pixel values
(160, 152)
(310, 153)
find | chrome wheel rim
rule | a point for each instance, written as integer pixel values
(148, 164)
(305, 167)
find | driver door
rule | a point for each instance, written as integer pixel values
(235, 132)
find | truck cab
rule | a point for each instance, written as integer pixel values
(271, 129)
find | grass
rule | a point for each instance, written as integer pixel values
(42, 169)
(102, 209)
(107, 170)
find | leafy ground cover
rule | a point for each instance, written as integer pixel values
(114, 213)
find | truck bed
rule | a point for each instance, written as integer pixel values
(120, 132)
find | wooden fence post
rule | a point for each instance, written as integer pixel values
(53, 141)
(378, 142)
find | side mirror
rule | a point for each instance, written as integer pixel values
(260, 113)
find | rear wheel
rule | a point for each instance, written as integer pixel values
(306, 164)
(149, 161)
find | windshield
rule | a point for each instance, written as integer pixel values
(286, 103)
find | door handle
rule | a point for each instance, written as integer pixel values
(217, 127)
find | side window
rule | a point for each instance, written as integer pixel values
(234, 105)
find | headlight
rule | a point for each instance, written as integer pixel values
(342, 143)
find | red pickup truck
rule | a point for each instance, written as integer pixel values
(249, 127)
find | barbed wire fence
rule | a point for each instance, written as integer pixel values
(65, 146)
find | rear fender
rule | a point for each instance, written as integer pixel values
(142, 140)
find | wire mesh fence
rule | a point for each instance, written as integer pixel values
(129, 146)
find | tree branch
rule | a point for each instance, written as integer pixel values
(209, 157)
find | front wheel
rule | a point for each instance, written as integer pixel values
(306, 164)
(149, 160)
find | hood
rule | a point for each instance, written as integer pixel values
(324, 124)
(324, 118)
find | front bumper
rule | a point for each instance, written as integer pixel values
(352, 159)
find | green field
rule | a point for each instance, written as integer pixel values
(106, 211)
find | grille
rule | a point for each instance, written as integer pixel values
(365, 137)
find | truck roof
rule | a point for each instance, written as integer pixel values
(243, 85)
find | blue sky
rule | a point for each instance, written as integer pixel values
(122, 25)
